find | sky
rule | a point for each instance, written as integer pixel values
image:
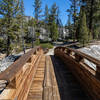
(62, 4)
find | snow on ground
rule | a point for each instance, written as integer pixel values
(93, 51)
(7, 61)
(51, 51)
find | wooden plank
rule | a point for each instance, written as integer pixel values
(51, 91)
(89, 81)
(10, 93)
(24, 92)
(36, 89)
(47, 93)
(10, 73)
(56, 94)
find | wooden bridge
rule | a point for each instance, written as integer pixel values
(64, 76)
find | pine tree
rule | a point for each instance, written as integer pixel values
(8, 11)
(22, 24)
(37, 14)
(52, 22)
(46, 14)
(96, 19)
(53, 13)
(74, 7)
(46, 20)
(1, 25)
(20, 16)
(89, 7)
(83, 31)
(69, 26)
(37, 9)
(79, 23)
(92, 8)
(54, 31)
(22, 8)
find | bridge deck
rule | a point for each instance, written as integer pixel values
(45, 87)
(36, 89)
(35, 76)
(69, 87)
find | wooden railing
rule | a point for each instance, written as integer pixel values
(88, 77)
(19, 75)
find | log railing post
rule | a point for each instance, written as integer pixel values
(98, 71)
(3, 84)
(12, 84)
(30, 60)
(84, 69)
(69, 52)
(78, 58)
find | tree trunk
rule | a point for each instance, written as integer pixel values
(8, 46)
(74, 21)
(91, 19)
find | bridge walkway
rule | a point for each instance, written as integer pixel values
(36, 89)
(69, 87)
(36, 76)
(54, 81)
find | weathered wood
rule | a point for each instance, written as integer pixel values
(10, 73)
(79, 58)
(98, 71)
(18, 76)
(26, 86)
(14, 92)
(88, 77)
(56, 94)
(3, 84)
(36, 89)
(95, 61)
(47, 93)
(51, 91)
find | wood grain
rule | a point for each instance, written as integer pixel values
(84, 74)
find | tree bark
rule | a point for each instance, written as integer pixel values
(8, 45)
(91, 18)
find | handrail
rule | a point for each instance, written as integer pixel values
(88, 77)
(90, 58)
(12, 70)
(19, 75)
(80, 54)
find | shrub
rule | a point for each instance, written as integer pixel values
(46, 45)
(2, 45)
(37, 42)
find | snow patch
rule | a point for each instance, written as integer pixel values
(93, 51)
(7, 61)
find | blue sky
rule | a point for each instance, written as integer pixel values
(63, 5)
